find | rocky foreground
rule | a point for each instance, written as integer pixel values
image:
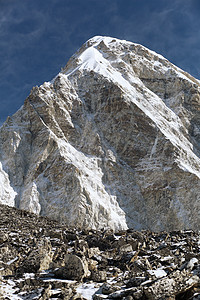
(42, 259)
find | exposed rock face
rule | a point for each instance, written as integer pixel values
(42, 259)
(113, 141)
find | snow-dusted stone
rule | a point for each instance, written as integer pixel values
(111, 142)
(175, 284)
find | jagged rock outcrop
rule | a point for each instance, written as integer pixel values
(113, 141)
(42, 259)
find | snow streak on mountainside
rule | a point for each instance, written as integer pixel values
(112, 141)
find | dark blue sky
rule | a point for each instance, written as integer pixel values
(37, 37)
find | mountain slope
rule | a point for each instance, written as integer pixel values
(112, 141)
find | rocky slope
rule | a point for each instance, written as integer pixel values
(112, 141)
(42, 259)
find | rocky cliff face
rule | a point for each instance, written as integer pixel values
(112, 141)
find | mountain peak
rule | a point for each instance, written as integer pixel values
(112, 141)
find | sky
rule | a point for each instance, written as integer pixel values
(37, 37)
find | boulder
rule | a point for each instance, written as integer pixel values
(178, 283)
(75, 268)
(39, 258)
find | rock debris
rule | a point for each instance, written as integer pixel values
(44, 259)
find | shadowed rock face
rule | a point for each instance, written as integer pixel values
(113, 141)
(42, 259)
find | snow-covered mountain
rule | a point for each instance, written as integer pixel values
(112, 141)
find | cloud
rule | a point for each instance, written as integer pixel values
(20, 24)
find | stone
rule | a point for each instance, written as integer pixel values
(92, 265)
(39, 258)
(126, 248)
(3, 237)
(75, 268)
(176, 284)
(107, 289)
(93, 252)
(81, 246)
(98, 275)
(35, 265)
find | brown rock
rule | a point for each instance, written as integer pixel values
(75, 268)
(39, 259)
(98, 276)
